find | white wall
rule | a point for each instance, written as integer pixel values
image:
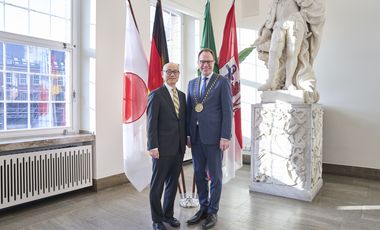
(109, 69)
(345, 69)
(348, 81)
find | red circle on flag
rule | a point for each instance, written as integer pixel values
(135, 97)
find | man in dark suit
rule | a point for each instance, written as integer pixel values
(166, 144)
(209, 121)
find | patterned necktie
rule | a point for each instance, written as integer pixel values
(175, 101)
(204, 86)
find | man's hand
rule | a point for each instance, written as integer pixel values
(224, 144)
(154, 153)
(188, 142)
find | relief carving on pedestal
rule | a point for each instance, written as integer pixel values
(316, 136)
(280, 136)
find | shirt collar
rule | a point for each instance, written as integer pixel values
(208, 77)
(169, 87)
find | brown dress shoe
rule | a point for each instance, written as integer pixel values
(200, 215)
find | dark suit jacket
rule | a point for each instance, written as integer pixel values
(166, 131)
(215, 120)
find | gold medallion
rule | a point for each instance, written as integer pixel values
(199, 107)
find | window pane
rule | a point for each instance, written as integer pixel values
(248, 94)
(196, 45)
(22, 3)
(174, 40)
(59, 114)
(60, 29)
(16, 57)
(167, 24)
(1, 55)
(246, 134)
(39, 60)
(61, 8)
(1, 16)
(39, 115)
(39, 88)
(1, 116)
(58, 89)
(248, 72)
(40, 5)
(17, 115)
(58, 62)
(16, 20)
(16, 88)
(1, 86)
(39, 25)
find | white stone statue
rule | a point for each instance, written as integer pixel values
(288, 43)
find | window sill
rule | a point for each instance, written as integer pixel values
(15, 144)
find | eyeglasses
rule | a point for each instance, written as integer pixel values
(208, 62)
(169, 72)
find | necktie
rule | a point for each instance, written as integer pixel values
(175, 101)
(204, 86)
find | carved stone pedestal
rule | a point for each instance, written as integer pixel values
(287, 149)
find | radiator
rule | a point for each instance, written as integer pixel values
(34, 175)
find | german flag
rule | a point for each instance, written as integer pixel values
(159, 50)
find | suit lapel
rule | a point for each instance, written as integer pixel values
(168, 99)
(212, 79)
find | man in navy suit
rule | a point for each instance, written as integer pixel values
(209, 121)
(166, 144)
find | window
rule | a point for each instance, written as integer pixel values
(197, 45)
(22, 79)
(49, 19)
(9, 79)
(36, 53)
(173, 33)
(173, 28)
(47, 105)
(36, 80)
(252, 75)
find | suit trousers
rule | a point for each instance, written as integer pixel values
(207, 158)
(166, 171)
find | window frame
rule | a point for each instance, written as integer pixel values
(72, 82)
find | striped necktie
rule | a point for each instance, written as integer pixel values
(175, 101)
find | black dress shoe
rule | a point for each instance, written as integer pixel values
(210, 221)
(172, 221)
(200, 215)
(158, 226)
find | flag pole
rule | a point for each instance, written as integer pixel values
(133, 15)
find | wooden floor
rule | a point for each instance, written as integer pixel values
(343, 203)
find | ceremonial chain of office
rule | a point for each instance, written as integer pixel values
(199, 105)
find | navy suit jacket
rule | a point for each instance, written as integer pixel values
(215, 120)
(166, 131)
